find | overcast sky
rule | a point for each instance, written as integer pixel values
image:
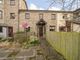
(40, 5)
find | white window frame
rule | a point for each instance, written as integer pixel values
(1, 14)
(40, 15)
(27, 15)
(12, 2)
(53, 16)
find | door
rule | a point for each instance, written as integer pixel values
(68, 25)
(10, 31)
(41, 31)
(41, 28)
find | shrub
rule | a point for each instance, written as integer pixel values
(35, 42)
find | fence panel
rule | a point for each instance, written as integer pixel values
(66, 43)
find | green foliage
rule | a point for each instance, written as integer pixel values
(0, 38)
(10, 40)
(19, 32)
(6, 39)
(35, 42)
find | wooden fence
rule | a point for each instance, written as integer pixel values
(66, 43)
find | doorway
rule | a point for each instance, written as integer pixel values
(41, 28)
(10, 31)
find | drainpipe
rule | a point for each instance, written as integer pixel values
(18, 16)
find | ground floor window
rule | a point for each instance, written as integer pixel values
(52, 28)
(62, 28)
(1, 29)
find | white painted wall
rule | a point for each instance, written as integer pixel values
(4, 33)
(61, 21)
(76, 27)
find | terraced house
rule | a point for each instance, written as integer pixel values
(13, 13)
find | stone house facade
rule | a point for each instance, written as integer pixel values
(9, 12)
(54, 19)
(15, 12)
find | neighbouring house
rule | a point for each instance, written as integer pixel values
(76, 26)
(6, 31)
(76, 21)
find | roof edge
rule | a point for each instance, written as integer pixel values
(45, 11)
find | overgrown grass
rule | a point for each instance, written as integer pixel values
(26, 41)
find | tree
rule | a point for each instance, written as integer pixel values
(65, 4)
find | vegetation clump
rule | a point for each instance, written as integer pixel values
(35, 42)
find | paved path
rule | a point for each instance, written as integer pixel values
(22, 55)
(49, 52)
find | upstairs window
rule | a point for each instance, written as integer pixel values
(12, 2)
(1, 14)
(12, 15)
(64, 16)
(41, 16)
(53, 16)
(27, 15)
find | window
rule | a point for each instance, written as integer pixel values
(62, 28)
(64, 16)
(52, 28)
(79, 14)
(41, 16)
(1, 29)
(27, 15)
(1, 1)
(1, 13)
(12, 15)
(12, 2)
(53, 16)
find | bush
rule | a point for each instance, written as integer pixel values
(35, 42)
(0, 38)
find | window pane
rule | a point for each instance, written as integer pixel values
(52, 28)
(64, 16)
(27, 15)
(12, 15)
(12, 2)
(53, 16)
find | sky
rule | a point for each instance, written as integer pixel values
(40, 5)
(44, 5)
